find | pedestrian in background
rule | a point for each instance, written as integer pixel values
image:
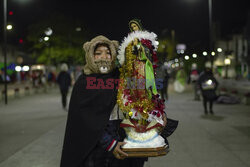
(162, 77)
(180, 80)
(64, 81)
(1, 77)
(193, 79)
(208, 85)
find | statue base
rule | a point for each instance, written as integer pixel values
(146, 152)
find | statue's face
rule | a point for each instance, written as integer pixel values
(134, 27)
(102, 58)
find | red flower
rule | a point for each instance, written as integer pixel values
(147, 43)
(126, 104)
(158, 115)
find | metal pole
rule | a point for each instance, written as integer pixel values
(210, 31)
(5, 49)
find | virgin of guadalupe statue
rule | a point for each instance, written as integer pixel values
(138, 98)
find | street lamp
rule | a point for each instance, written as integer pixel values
(5, 28)
(48, 32)
(5, 49)
(9, 27)
(186, 57)
(227, 62)
(204, 53)
(210, 29)
(46, 38)
(219, 50)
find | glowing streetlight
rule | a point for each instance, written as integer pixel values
(194, 55)
(46, 38)
(18, 68)
(26, 68)
(227, 61)
(9, 27)
(186, 57)
(204, 53)
(48, 31)
(219, 50)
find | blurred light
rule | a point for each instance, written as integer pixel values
(20, 40)
(186, 57)
(78, 29)
(176, 60)
(176, 64)
(182, 51)
(9, 27)
(213, 53)
(219, 50)
(38, 67)
(181, 46)
(204, 53)
(173, 66)
(18, 68)
(48, 31)
(156, 42)
(11, 13)
(26, 68)
(46, 38)
(209, 82)
(194, 55)
(227, 61)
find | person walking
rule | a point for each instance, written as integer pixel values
(180, 80)
(162, 77)
(193, 79)
(64, 81)
(208, 85)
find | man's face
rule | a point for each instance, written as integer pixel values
(134, 27)
(102, 53)
(103, 58)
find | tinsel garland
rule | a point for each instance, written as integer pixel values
(143, 106)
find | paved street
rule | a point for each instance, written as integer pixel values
(32, 129)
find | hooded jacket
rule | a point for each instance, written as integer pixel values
(89, 108)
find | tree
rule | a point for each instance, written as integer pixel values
(167, 46)
(64, 44)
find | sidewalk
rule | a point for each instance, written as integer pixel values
(222, 140)
(22, 89)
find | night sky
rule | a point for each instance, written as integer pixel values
(189, 18)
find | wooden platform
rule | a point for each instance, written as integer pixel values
(146, 152)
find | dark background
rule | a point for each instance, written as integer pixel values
(189, 18)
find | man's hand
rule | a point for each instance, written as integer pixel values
(118, 152)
